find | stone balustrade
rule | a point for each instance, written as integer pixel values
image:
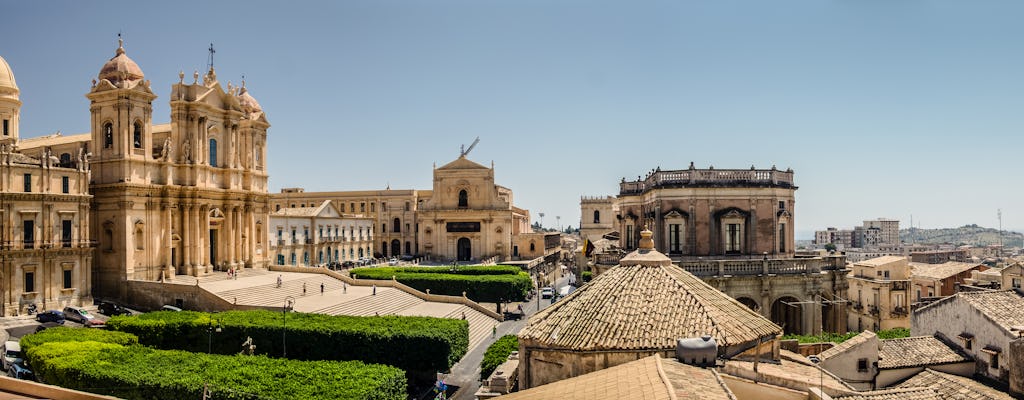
(754, 267)
(703, 177)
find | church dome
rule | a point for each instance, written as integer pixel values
(120, 67)
(7, 76)
(247, 102)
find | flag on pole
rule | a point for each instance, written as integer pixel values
(588, 247)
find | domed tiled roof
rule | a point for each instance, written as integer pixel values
(247, 102)
(7, 76)
(120, 67)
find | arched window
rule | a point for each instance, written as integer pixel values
(463, 199)
(360, 252)
(213, 152)
(533, 247)
(397, 226)
(597, 217)
(108, 135)
(137, 135)
(65, 160)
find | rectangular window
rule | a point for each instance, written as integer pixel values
(352, 207)
(675, 238)
(29, 232)
(362, 207)
(629, 236)
(7, 127)
(28, 183)
(30, 282)
(1016, 283)
(67, 279)
(782, 205)
(65, 233)
(280, 234)
(65, 185)
(993, 359)
(373, 207)
(782, 237)
(862, 365)
(732, 238)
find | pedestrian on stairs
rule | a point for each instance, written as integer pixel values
(494, 331)
(374, 290)
(321, 288)
(344, 288)
(303, 288)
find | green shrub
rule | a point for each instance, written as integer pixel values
(490, 284)
(138, 372)
(410, 343)
(842, 337)
(497, 353)
(65, 334)
(587, 276)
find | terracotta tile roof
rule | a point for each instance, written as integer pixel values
(1004, 307)
(917, 393)
(917, 351)
(650, 378)
(879, 261)
(939, 271)
(644, 307)
(792, 371)
(846, 345)
(954, 387)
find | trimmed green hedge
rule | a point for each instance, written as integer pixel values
(842, 337)
(497, 353)
(139, 372)
(489, 284)
(422, 344)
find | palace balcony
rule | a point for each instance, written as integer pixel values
(755, 267)
(708, 177)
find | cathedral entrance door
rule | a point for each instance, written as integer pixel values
(465, 249)
(396, 248)
(213, 248)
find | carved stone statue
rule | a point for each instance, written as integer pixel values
(186, 151)
(165, 153)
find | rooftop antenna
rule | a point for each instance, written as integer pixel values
(463, 151)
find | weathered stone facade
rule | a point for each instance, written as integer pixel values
(46, 251)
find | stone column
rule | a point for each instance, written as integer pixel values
(250, 220)
(229, 233)
(168, 234)
(203, 232)
(186, 237)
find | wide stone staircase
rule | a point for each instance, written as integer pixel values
(342, 299)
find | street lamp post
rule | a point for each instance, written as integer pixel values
(210, 329)
(289, 302)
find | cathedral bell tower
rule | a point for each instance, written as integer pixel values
(121, 104)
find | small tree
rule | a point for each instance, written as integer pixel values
(830, 247)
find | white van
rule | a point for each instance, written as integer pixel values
(12, 353)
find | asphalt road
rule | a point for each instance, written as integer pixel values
(466, 373)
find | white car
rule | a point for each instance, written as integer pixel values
(393, 261)
(12, 353)
(547, 293)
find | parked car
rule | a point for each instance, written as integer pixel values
(47, 325)
(393, 261)
(112, 309)
(50, 316)
(547, 293)
(169, 308)
(80, 315)
(12, 354)
(348, 264)
(408, 257)
(20, 370)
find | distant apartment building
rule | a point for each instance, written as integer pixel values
(879, 294)
(941, 256)
(941, 280)
(876, 232)
(307, 236)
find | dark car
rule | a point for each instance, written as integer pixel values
(111, 309)
(47, 325)
(20, 371)
(407, 257)
(348, 264)
(50, 316)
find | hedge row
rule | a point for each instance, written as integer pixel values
(478, 286)
(837, 338)
(139, 372)
(411, 343)
(497, 353)
(386, 272)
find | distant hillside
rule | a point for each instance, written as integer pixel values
(973, 235)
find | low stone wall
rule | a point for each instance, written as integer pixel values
(42, 391)
(395, 284)
(149, 295)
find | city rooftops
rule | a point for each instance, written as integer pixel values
(917, 351)
(950, 386)
(650, 378)
(1004, 308)
(940, 271)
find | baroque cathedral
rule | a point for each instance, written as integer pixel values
(184, 198)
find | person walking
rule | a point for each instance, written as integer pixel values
(344, 288)
(494, 331)
(303, 288)
(374, 290)
(279, 281)
(321, 288)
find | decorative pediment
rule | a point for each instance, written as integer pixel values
(673, 215)
(733, 214)
(784, 214)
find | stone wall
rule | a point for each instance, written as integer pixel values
(954, 316)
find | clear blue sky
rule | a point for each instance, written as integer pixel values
(883, 108)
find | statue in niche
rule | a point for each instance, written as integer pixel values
(165, 153)
(186, 151)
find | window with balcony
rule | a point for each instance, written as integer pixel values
(29, 233)
(213, 152)
(65, 233)
(732, 238)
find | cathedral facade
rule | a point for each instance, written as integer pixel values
(183, 198)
